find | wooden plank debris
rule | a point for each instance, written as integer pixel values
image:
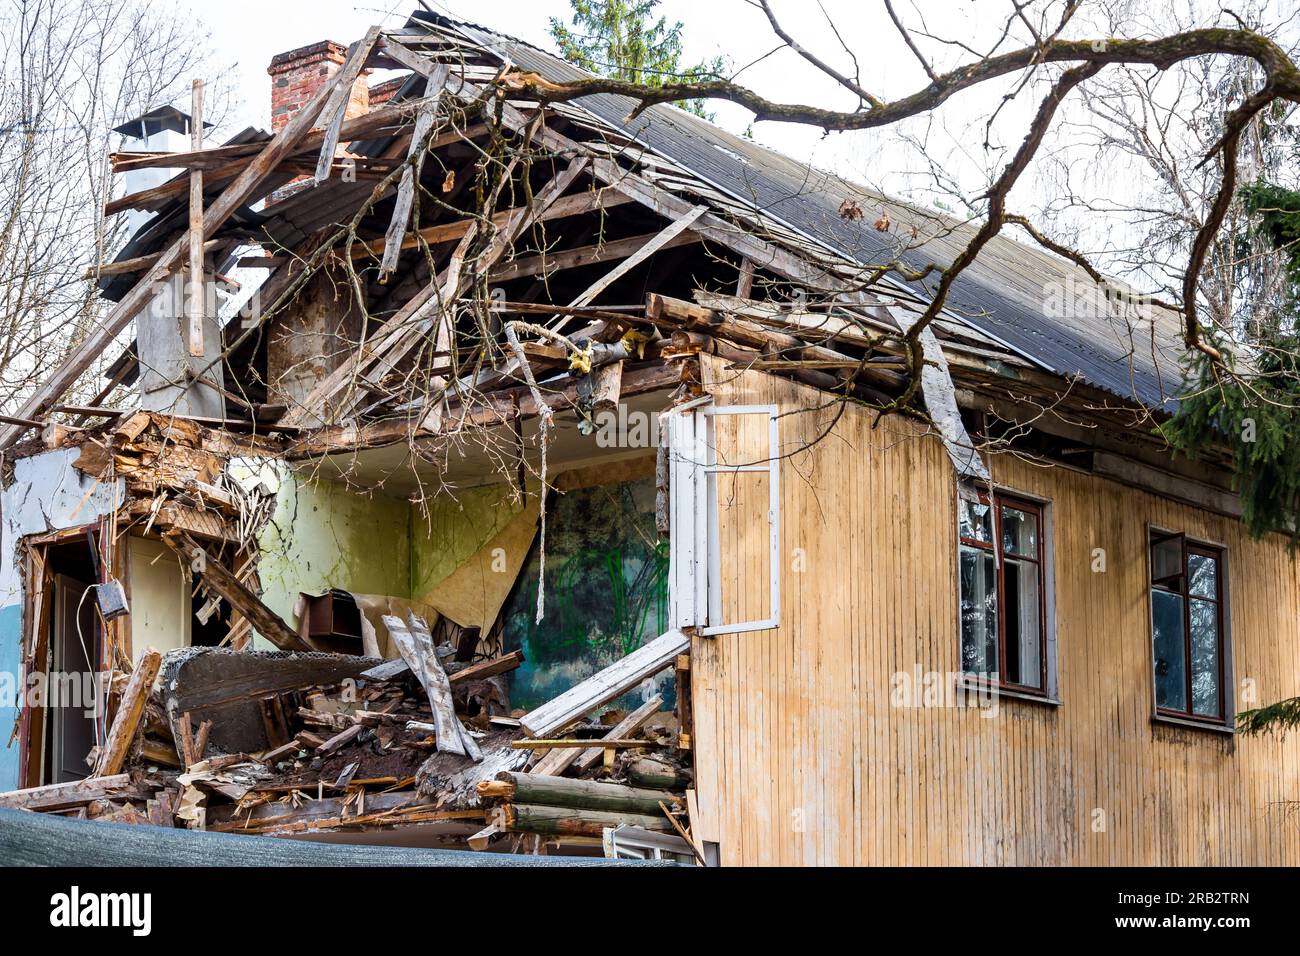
(488, 668)
(129, 712)
(414, 163)
(607, 743)
(74, 793)
(269, 624)
(626, 727)
(334, 112)
(106, 331)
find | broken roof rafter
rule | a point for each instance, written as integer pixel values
(231, 198)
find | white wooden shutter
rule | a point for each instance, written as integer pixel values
(695, 560)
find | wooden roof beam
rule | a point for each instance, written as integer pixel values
(231, 198)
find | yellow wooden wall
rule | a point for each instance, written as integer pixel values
(800, 758)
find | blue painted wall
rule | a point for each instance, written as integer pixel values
(10, 667)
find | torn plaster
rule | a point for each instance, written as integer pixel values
(46, 494)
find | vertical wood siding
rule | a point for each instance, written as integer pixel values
(800, 757)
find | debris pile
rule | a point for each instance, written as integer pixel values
(279, 743)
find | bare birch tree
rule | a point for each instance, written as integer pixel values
(70, 70)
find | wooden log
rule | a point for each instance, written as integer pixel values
(512, 786)
(605, 685)
(74, 793)
(489, 668)
(528, 818)
(606, 388)
(657, 774)
(129, 712)
(607, 743)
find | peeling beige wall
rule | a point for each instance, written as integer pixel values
(160, 597)
(454, 530)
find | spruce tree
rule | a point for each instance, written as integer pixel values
(623, 40)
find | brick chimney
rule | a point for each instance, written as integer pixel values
(298, 74)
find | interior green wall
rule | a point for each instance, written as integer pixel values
(325, 535)
(452, 530)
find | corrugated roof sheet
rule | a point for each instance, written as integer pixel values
(1041, 305)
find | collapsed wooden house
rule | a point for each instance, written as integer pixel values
(555, 479)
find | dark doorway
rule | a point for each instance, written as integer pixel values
(74, 652)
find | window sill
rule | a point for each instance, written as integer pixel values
(1172, 721)
(979, 687)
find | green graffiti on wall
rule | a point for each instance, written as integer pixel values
(606, 589)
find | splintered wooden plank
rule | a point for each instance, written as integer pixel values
(406, 190)
(60, 796)
(559, 760)
(489, 668)
(335, 110)
(386, 671)
(605, 685)
(651, 246)
(624, 728)
(269, 624)
(129, 712)
(394, 339)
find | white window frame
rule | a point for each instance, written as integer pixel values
(695, 560)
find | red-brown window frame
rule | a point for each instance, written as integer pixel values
(1189, 547)
(1030, 507)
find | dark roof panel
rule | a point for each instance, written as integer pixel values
(1012, 291)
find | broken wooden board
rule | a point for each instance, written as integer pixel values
(74, 793)
(489, 668)
(127, 720)
(269, 624)
(416, 647)
(626, 727)
(227, 687)
(605, 685)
